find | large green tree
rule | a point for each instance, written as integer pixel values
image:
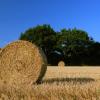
(73, 46)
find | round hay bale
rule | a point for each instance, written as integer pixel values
(22, 63)
(61, 64)
(0, 50)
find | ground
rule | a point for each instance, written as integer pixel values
(59, 83)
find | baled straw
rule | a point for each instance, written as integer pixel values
(61, 64)
(22, 63)
(0, 50)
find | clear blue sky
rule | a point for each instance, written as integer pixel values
(18, 15)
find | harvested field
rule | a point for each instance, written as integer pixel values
(61, 72)
(64, 83)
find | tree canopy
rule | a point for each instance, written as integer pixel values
(73, 46)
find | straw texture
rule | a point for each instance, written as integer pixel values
(0, 50)
(61, 64)
(22, 63)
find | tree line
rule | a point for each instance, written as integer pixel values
(73, 46)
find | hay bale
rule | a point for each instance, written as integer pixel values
(61, 64)
(22, 63)
(0, 50)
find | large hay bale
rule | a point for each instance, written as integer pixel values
(22, 63)
(61, 64)
(0, 50)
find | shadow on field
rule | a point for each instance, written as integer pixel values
(74, 80)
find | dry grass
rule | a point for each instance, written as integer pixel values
(59, 84)
(73, 72)
(22, 63)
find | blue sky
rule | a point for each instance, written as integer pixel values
(18, 15)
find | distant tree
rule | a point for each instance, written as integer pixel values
(94, 54)
(74, 44)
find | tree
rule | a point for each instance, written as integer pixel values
(74, 44)
(42, 35)
(94, 54)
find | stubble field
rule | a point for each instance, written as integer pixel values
(59, 83)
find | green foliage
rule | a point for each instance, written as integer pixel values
(43, 36)
(38, 34)
(73, 46)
